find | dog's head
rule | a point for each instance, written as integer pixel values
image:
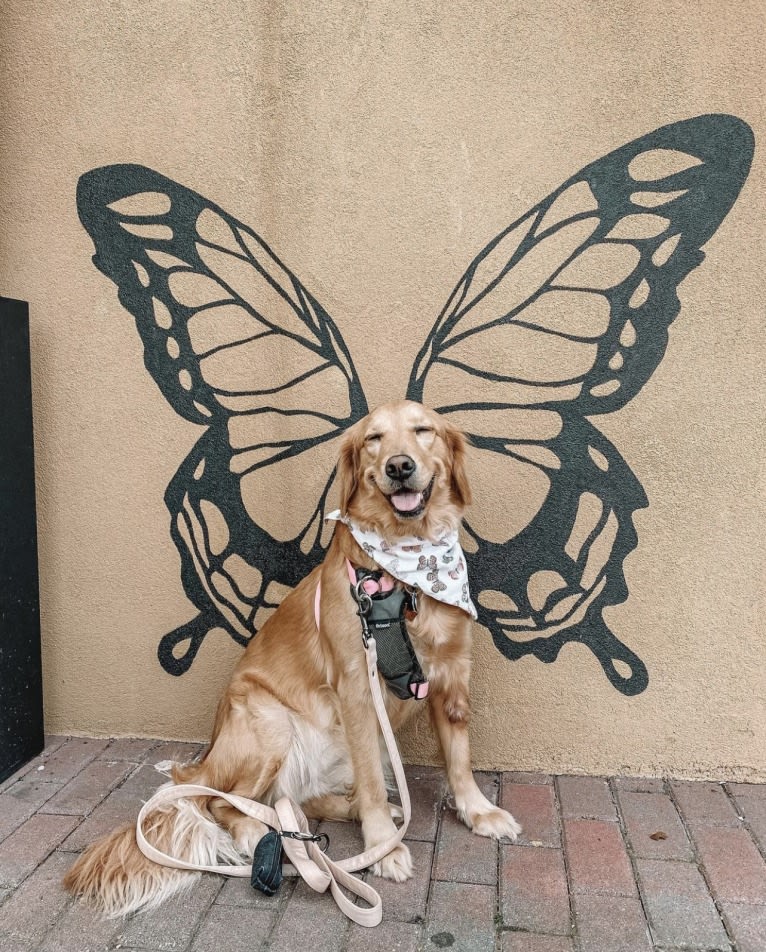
(402, 472)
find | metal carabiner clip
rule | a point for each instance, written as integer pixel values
(318, 838)
(364, 607)
(363, 600)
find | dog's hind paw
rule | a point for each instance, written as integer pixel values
(496, 823)
(397, 865)
(396, 811)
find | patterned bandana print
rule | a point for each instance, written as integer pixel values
(434, 568)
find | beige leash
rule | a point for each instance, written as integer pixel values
(319, 871)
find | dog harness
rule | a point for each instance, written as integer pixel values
(383, 610)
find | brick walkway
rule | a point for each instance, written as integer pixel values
(617, 865)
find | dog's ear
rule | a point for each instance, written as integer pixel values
(457, 446)
(348, 467)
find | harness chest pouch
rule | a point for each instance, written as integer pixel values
(383, 617)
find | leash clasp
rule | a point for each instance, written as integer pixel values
(363, 600)
(320, 838)
(364, 607)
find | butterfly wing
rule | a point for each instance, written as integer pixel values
(563, 315)
(544, 575)
(237, 344)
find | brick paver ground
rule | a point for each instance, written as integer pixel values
(628, 864)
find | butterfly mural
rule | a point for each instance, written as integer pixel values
(561, 317)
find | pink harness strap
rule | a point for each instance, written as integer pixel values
(317, 601)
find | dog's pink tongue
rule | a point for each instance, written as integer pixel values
(406, 502)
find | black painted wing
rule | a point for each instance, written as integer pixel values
(238, 345)
(564, 315)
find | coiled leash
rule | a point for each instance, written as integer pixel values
(289, 826)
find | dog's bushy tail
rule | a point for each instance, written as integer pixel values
(115, 876)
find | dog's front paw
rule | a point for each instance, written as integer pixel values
(397, 865)
(496, 823)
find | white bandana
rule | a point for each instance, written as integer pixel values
(435, 568)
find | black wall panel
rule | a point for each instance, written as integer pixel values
(21, 710)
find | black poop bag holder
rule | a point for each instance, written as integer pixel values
(266, 875)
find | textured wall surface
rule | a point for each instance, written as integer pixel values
(377, 148)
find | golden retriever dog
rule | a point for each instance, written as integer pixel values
(297, 718)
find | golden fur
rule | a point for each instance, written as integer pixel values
(297, 719)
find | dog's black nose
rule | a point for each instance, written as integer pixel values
(400, 467)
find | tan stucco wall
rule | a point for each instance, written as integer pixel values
(377, 148)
